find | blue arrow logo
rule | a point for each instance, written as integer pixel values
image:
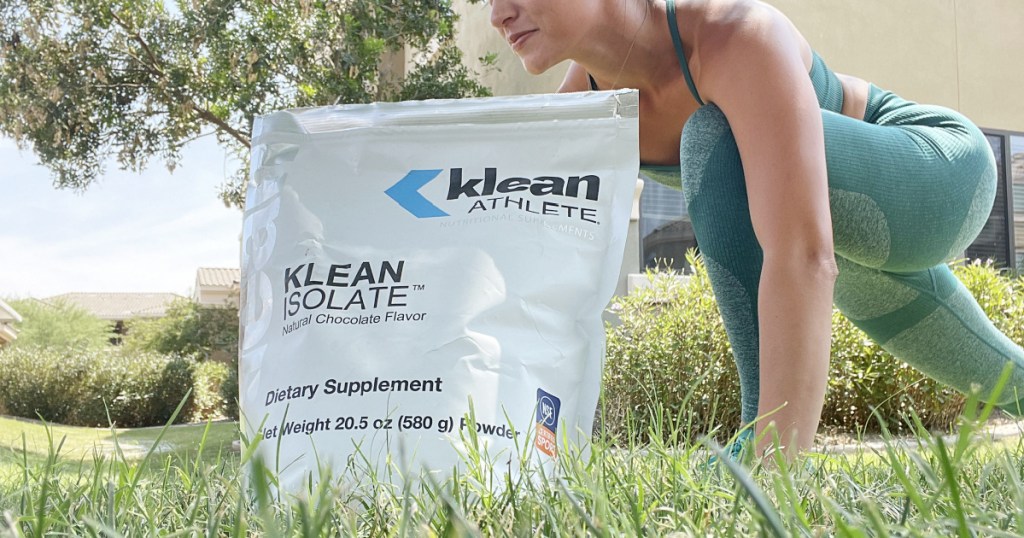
(407, 193)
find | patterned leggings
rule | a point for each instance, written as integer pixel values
(910, 187)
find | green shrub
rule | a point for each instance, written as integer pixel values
(42, 382)
(58, 324)
(208, 400)
(187, 329)
(229, 391)
(80, 386)
(670, 355)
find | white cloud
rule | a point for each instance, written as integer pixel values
(129, 232)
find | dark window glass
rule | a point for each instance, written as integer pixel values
(994, 240)
(1017, 169)
(666, 232)
(665, 229)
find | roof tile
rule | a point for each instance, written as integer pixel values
(218, 276)
(119, 306)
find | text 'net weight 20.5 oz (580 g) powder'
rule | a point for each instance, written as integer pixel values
(403, 259)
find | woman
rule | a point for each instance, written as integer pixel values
(804, 187)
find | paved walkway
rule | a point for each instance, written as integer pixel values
(994, 431)
(131, 449)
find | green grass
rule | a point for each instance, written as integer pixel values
(61, 485)
(21, 439)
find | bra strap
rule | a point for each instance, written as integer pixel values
(673, 27)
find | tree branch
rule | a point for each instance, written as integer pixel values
(134, 34)
(221, 124)
(154, 65)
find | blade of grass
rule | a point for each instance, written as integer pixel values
(159, 437)
(963, 529)
(771, 516)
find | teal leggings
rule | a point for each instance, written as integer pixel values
(910, 187)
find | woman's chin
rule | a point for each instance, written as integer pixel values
(534, 67)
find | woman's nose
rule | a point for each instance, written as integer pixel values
(501, 12)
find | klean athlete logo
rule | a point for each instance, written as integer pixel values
(407, 193)
(489, 193)
(538, 186)
(548, 406)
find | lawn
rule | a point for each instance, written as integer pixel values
(18, 435)
(192, 485)
(30, 441)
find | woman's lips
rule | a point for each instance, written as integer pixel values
(517, 39)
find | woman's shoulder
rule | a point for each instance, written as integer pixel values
(737, 34)
(720, 22)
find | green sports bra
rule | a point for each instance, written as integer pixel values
(826, 86)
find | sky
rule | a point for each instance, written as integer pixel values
(129, 232)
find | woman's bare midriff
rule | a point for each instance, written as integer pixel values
(855, 90)
(855, 96)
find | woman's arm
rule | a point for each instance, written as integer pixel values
(753, 69)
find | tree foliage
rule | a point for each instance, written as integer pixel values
(59, 324)
(86, 81)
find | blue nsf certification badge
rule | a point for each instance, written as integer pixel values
(548, 406)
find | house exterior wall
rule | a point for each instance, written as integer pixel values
(217, 296)
(218, 286)
(954, 53)
(8, 333)
(8, 317)
(961, 54)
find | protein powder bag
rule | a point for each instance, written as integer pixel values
(401, 260)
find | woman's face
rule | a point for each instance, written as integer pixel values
(540, 32)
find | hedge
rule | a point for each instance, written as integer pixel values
(100, 387)
(670, 358)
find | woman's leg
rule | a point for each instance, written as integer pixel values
(910, 189)
(903, 200)
(929, 320)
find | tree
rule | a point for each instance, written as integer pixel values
(86, 81)
(187, 329)
(59, 324)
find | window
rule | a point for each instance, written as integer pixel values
(994, 240)
(665, 229)
(666, 232)
(1001, 239)
(1017, 171)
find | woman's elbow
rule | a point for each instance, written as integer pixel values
(816, 260)
(826, 267)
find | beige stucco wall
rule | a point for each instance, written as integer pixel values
(476, 37)
(991, 70)
(964, 54)
(216, 296)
